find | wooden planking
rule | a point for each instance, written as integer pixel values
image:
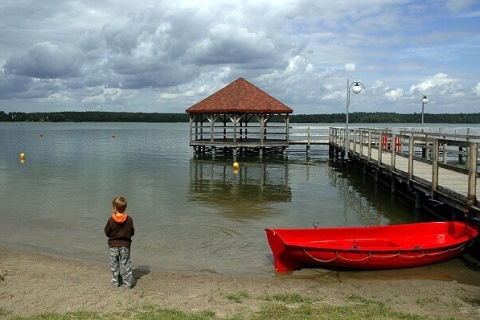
(453, 183)
(448, 179)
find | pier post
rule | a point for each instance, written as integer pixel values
(393, 185)
(410, 158)
(418, 200)
(472, 173)
(235, 151)
(434, 155)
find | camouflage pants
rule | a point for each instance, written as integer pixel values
(121, 267)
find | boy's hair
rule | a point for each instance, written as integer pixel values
(120, 203)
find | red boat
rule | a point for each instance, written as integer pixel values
(369, 248)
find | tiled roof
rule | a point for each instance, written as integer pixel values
(240, 96)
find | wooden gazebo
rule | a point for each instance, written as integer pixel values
(236, 119)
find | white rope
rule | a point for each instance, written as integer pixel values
(359, 260)
(398, 254)
(460, 247)
(319, 260)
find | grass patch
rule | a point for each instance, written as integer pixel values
(287, 298)
(238, 297)
(425, 301)
(3, 312)
(147, 312)
(278, 309)
(81, 315)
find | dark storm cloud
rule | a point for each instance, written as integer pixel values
(226, 45)
(45, 61)
(150, 73)
(11, 86)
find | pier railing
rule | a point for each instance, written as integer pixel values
(444, 165)
(308, 135)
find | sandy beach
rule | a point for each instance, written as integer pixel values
(33, 283)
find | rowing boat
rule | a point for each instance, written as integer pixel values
(371, 247)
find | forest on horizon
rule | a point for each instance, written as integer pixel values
(355, 117)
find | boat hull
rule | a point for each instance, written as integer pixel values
(369, 248)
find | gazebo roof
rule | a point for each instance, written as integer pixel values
(240, 96)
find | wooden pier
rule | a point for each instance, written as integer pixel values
(437, 168)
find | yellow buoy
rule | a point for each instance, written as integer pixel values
(22, 157)
(236, 165)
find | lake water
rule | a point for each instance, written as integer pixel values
(190, 214)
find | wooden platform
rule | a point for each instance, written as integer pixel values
(442, 168)
(438, 167)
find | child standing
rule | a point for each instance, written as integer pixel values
(119, 230)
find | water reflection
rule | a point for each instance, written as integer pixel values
(244, 193)
(300, 192)
(371, 203)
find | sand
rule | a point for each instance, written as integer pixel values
(33, 283)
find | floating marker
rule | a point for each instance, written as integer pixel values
(236, 165)
(22, 157)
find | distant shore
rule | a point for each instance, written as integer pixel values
(354, 117)
(33, 283)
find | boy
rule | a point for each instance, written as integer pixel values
(119, 230)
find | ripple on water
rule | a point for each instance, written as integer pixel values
(203, 247)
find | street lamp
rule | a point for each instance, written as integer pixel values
(424, 102)
(356, 87)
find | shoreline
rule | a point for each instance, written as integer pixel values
(35, 283)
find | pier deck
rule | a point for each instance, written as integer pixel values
(440, 168)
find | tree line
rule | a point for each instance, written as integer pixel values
(355, 117)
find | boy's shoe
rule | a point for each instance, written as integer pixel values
(131, 285)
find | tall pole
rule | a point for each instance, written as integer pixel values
(357, 88)
(424, 102)
(423, 106)
(347, 133)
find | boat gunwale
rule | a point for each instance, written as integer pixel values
(449, 240)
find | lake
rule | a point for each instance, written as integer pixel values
(190, 214)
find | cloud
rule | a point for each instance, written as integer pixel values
(458, 5)
(350, 67)
(45, 61)
(159, 55)
(394, 94)
(476, 89)
(440, 79)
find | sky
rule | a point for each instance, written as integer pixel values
(165, 56)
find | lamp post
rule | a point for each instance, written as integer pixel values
(424, 102)
(356, 87)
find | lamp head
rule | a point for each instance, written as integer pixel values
(356, 87)
(425, 100)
